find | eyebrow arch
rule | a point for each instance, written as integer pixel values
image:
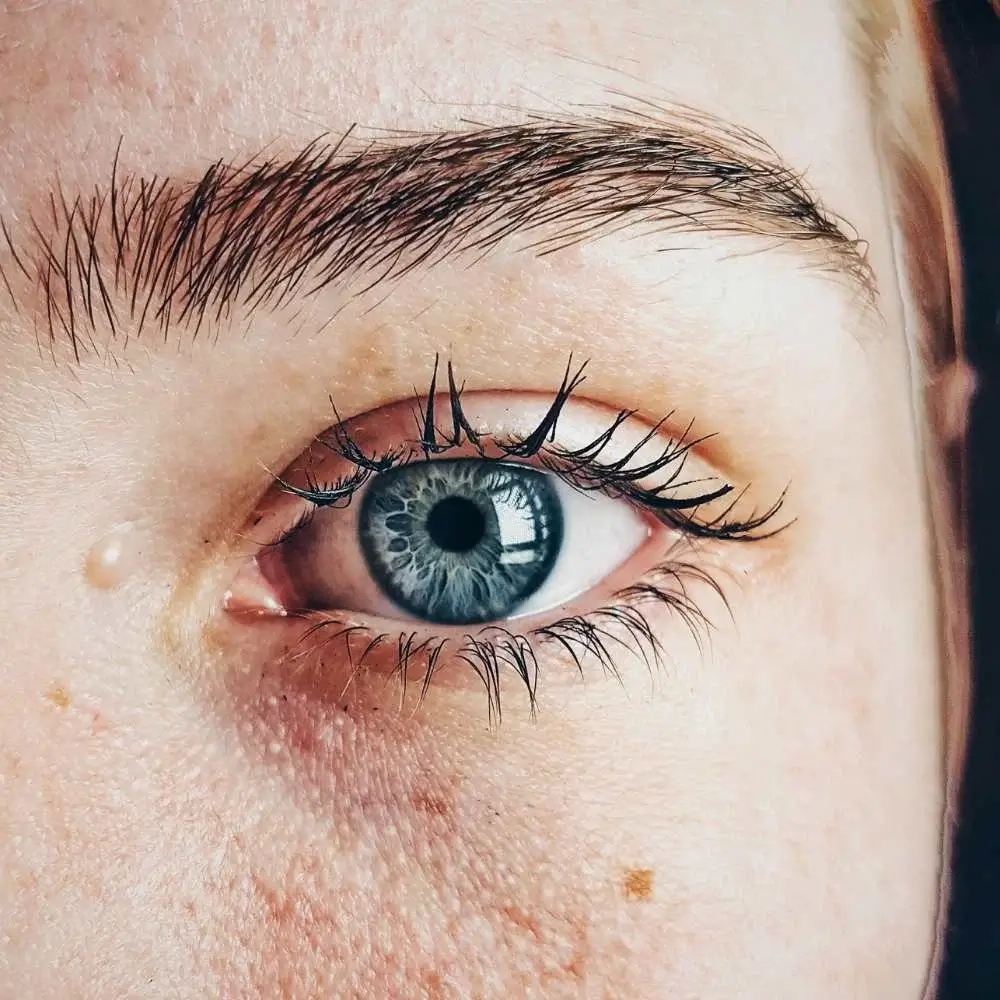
(163, 251)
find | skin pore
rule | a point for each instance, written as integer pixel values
(190, 809)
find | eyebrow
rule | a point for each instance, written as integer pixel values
(165, 252)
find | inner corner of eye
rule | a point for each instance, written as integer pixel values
(255, 591)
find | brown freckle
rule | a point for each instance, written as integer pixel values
(58, 695)
(278, 908)
(433, 804)
(576, 965)
(433, 986)
(637, 885)
(257, 436)
(268, 37)
(519, 918)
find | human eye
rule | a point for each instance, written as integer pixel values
(491, 533)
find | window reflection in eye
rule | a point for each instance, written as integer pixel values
(486, 525)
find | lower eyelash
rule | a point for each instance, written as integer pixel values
(495, 649)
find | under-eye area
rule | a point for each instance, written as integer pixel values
(481, 534)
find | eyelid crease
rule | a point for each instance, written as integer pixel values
(163, 252)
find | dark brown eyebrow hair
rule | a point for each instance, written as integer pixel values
(164, 252)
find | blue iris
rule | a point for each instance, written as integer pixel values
(461, 541)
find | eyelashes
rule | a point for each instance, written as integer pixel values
(621, 625)
(583, 468)
(650, 477)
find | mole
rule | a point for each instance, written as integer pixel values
(637, 885)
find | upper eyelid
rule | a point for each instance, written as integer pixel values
(161, 251)
(585, 467)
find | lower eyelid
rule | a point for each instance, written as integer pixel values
(328, 658)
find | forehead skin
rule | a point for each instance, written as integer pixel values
(772, 830)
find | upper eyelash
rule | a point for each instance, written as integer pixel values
(581, 467)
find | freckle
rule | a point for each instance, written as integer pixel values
(637, 885)
(429, 803)
(433, 985)
(268, 37)
(521, 919)
(58, 695)
(113, 557)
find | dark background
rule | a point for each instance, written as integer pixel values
(971, 33)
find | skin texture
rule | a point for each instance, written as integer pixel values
(180, 816)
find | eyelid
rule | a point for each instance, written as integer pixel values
(502, 428)
(653, 466)
(592, 448)
(657, 469)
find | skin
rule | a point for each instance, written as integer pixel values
(182, 817)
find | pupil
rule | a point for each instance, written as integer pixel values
(456, 524)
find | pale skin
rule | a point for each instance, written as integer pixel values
(181, 815)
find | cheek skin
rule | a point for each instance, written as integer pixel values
(398, 880)
(415, 860)
(202, 867)
(245, 838)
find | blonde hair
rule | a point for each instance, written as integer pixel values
(907, 75)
